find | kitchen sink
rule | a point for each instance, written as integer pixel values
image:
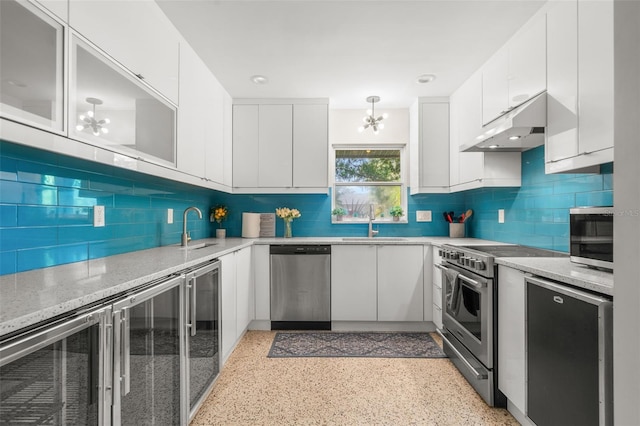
(197, 246)
(373, 239)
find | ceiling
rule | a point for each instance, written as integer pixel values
(349, 49)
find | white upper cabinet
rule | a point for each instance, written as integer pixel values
(200, 119)
(31, 66)
(429, 146)
(275, 159)
(60, 8)
(517, 72)
(280, 146)
(469, 170)
(310, 149)
(135, 33)
(110, 108)
(580, 93)
(495, 86)
(246, 138)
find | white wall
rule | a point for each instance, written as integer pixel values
(626, 301)
(344, 123)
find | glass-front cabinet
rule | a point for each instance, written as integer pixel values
(111, 108)
(31, 66)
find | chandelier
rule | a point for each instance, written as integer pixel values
(370, 120)
(89, 121)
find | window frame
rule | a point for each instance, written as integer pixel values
(402, 182)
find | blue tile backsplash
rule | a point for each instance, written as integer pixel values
(47, 200)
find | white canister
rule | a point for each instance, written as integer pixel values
(250, 225)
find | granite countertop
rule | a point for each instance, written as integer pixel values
(563, 270)
(28, 298)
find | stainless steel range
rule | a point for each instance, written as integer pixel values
(470, 320)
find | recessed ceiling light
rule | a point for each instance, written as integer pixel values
(514, 138)
(493, 146)
(259, 79)
(425, 78)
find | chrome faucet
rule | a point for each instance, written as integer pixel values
(185, 236)
(372, 232)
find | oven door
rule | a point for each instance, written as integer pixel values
(467, 310)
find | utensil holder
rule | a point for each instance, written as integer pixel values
(456, 230)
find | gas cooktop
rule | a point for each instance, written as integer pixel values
(515, 251)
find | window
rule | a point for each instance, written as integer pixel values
(365, 177)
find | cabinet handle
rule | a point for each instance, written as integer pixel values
(108, 367)
(140, 76)
(192, 310)
(479, 376)
(126, 337)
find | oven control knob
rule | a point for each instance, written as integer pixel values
(471, 263)
(480, 265)
(440, 253)
(454, 255)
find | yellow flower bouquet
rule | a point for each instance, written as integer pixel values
(218, 214)
(287, 214)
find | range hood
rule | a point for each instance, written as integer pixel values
(520, 129)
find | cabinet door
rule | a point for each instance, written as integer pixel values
(310, 146)
(229, 301)
(595, 75)
(434, 145)
(353, 283)
(427, 292)
(511, 335)
(246, 137)
(244, 293)
(145, 40)
(400, 283)
(527, 62)
(227, 139)
(275, 160)
(193, 117)
(31, 66)
(468, 100)
(110, 108)
(214, 130)
(261, 280)
(495, 86)
(562, 81)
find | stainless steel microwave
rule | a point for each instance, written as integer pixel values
(591, 236)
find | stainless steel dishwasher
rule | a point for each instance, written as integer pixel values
(300, 287)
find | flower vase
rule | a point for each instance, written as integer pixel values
(287, 228)
(221, 233)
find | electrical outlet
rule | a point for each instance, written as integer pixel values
(423, 216)
(98, 216)
(169, 216)
(500, 215)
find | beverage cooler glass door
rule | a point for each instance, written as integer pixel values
(203, 332)
(147, 355)
(53, 375)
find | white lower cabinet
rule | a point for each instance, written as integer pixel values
(354, 292)
(261, 279)
(237, 297)
(377, 283)
(437, 288)
(511, 335)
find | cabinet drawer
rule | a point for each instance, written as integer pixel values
(437, 316)
(437, 296)
(437, 277)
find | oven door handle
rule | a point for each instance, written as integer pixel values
(479, 376)
(473, 283)
(439, 266)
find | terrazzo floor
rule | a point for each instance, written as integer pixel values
(255, 390)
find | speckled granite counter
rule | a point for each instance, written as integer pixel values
(30, 297)
(563, 270)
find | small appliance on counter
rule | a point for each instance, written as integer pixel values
(591, 236)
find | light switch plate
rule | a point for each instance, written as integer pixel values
(423, 216)
(169, 216)
(500, 215)
(98, 216)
